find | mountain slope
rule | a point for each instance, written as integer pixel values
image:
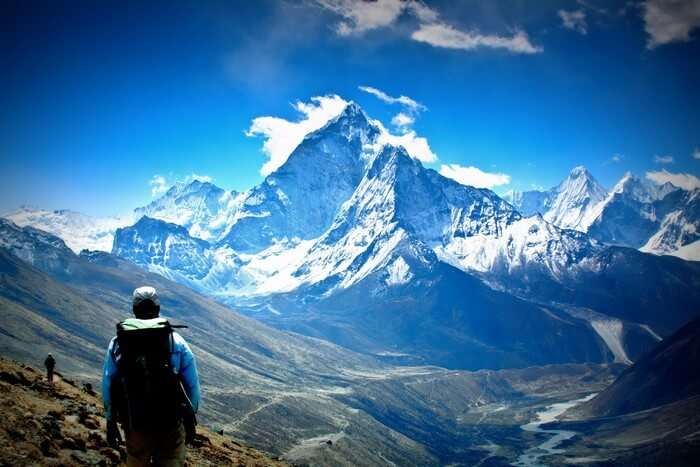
(437, 314)
(279, 392)
(650, 414)
(667, 374)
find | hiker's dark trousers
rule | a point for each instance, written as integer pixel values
(49, 375)
(162, 448)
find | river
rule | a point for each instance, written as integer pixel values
(531, 457)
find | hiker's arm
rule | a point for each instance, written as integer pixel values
(190, 378)
(109, 371)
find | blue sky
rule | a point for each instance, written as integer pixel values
(99, 97)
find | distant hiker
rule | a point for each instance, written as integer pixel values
(50, 364)
(150, 386)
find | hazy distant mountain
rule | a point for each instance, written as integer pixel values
(659, 219)
(204, 209)
(572, 201)
(568, 205)
(628, 216)
(679, 231)
(79, 231)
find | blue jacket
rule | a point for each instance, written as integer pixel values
(182, 361)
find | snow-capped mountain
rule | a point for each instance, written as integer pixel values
(397, 210)
(637, 213)
(660, 219)
(568, 205)
(203, 208)
(627, 216)
(79, 231)
(399, 206)
(573, 200)
(33, 246)
(528, 203)
(162, 246)
(300, 199)
(346, 219)
(679, 232)
(527, 244)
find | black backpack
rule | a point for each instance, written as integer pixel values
(149, 395)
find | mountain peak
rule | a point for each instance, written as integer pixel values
(351, 122)
(352, 109)
(580, 178)
(578, 171)
(573, 200)
(190, 186)
(641, 190)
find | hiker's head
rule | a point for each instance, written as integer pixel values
(146, 304)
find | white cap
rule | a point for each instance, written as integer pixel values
(146, 293)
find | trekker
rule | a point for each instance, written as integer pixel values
(50, 364)
(150, 386)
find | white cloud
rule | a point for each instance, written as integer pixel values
(403, 100)
(663, 159)
(282, 136)
(423, 12)
(158, 185)
(403, 121)
(617, 158)
(362, 16)
(473, 176)
(416, 146)
(669, 21)
(444, 35)
(696, 153)
(681, 180)
(574, 20)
